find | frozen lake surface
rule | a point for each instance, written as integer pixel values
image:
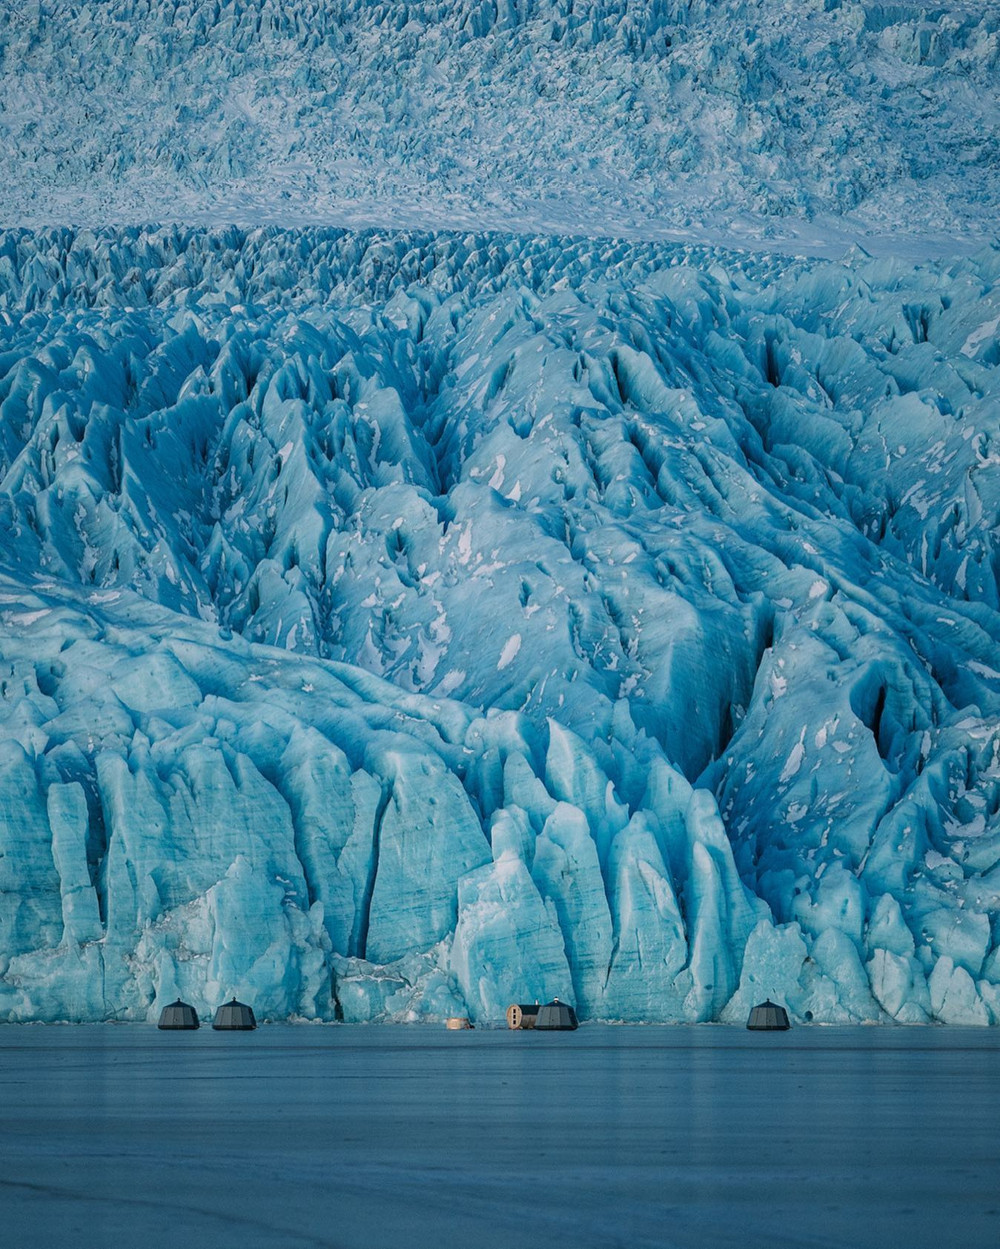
(405, 1136)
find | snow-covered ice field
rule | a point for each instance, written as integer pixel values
(810, 123)
(368, 1137)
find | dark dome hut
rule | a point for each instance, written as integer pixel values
(768, 1017)
(234, 1016)
(556, 1016)
(178, 1017)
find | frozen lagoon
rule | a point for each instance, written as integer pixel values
(409, 1136)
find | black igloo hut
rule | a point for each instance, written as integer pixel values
(768, 1017)
(234, 1016)
(556, 1016)
(178, 1017)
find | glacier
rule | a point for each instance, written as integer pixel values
(399, 623)
(500, 499)
(805, 122)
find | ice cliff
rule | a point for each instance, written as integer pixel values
(394, 625)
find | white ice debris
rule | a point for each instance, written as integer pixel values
(509, 652)
(982, 334)
(794, 760)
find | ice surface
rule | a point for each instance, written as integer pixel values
(399, 625)
(660, 1138)
(810, 121)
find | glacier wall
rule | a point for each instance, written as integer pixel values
(797, 119)
(395, 625)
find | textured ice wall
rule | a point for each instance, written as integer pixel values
(452, 620)
(791, 118)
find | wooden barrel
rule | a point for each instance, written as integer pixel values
(521, 1015)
